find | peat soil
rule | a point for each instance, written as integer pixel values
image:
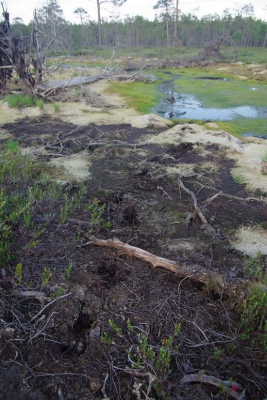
(103, 331)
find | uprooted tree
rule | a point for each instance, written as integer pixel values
(17, 55)
(23, 56)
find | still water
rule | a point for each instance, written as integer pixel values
(179, 105)
(186, 106)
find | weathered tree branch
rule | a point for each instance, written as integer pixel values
(209, 200)
(197, 209)
(212, 280)
(228, 386)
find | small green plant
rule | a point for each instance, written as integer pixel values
(40, 103)
(218, 354)
(64, 211)
(154, 359)
(106, 339)
(264, 157)
(5, 231)
(264, 164)
(19, 100)
(35, 238)
(19, 273)
(147, 351)
(97, 212)
(114, 326)
(47, 275)
(129, 325)
(68, 271)
(16, 203)
(36, 192)
(58, 293)
(56, 107)
(27, 218)
(254, 312)
(21, 209)
(163, 361)
(12, 146)
(254, 317)
(254, 267)
(53, 191)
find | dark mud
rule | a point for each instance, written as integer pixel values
(87, 345)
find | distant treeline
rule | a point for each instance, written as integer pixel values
(238, 31)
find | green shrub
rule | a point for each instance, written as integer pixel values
(56, 107)
(12, 146)
(254, 311)
(19, 100)
(40, 103)
(254, 318)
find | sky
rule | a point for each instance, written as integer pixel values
(24, 10)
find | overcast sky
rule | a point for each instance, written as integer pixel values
(24, 9)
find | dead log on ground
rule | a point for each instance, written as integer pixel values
(211, 280)
(230, 387)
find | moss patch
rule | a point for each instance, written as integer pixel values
(224, 92)
(242, 126)
(139, 95)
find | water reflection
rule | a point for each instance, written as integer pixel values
(187, 106)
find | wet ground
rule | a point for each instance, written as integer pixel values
(179, 105)
(103, 334)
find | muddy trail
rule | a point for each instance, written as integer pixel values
(115, 328)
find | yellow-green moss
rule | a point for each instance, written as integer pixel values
(139, 95)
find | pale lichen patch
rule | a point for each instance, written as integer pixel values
(250, 240)
(247, 154)
(73, 168)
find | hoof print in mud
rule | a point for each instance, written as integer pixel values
(130, 215)
(108, 273)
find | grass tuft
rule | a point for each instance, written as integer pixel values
(56, 107)
(19, 100)
(40, 103)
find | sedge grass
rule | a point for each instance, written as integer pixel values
(19, 100)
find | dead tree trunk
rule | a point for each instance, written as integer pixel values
(24, 55)
(18, 54)
(6, 62)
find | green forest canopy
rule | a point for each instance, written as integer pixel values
(241, 29)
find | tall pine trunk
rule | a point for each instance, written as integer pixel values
(99, 24)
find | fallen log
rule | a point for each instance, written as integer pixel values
(211, 280)
(230, 387)
(70, 82)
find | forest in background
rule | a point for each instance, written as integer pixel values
(241, 29)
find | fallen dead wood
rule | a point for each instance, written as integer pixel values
(227, 386)
(197, 209)
(29, 293)
(198, 212)
(70, 82)
(212, 280)
(84, 80)
(231, 197)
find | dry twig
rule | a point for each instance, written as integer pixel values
(197, 209)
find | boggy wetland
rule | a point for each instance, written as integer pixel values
(215, 98)
(134, 246)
